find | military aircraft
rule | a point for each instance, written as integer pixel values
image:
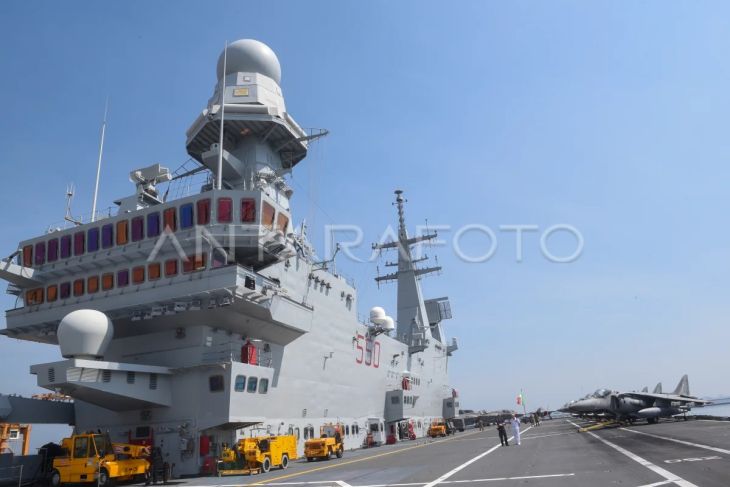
(630, 406)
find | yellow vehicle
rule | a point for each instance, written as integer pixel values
(329, 443)
(437, 428)
(257, 454)
(94, 458)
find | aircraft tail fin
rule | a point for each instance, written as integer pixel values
(645, 389)
(683, 387)
(658, 388)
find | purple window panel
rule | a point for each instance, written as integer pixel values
(107, 236)
(137, 228)
(122, 278)
(92, 240)
(65, 290)
(153, 225)
(40, 253)
(66, 246)
(53, 250)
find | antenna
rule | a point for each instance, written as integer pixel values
(69, 198)
(98, 164)
(219, 176)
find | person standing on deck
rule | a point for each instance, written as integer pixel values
(516, 428)
(502, 433)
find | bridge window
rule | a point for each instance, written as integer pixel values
(138, 275)
(225, 210)
(171, 268)
(282, 222)
(53, 250)
(122, 232)
(267, 216)
(240, 384)
(248, 210)
(137, 228)
(194, 263)
(252, 383)
(40, 253)
(28, 256)
(92, 284)
(107, 236)
(66, 246)
(263, 386)
(107, 281)
(186, 215)
(123, 278)
(154, 271)
(169, 218)
(153, 224)
(131, 377)
(203, 211)
(79, 243)
(79, 287)
(216, 383)
(65, 290)
(34, 296)
(92, 239)
(52, 293)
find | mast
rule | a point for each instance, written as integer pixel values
(98, 163)
(219, 172)
(412, 320)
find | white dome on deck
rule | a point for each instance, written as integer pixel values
(84, 333)
(250, 56)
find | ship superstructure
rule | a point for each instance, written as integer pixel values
(192, 322)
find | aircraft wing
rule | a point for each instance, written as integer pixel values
(664, 397)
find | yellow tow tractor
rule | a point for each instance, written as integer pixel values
(94, 458)
(257, 454)
(437, 428)
(329, 443)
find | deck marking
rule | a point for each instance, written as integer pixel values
(356, 460)
(545, 436)
(642, 461)
(688, 443)
(466, 464)
(657, 484)
(414, 484)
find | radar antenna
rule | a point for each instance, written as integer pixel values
(70, 190)
(98, 163)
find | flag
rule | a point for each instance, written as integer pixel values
(519, 399)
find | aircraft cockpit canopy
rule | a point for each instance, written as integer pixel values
(601, 393)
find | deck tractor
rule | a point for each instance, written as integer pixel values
(257, 454)
(329, 443)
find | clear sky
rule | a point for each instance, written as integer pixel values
(607, 116)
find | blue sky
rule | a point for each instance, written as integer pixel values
(608, 116)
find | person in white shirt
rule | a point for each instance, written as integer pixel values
(516, 428)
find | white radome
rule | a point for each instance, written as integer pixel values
(85, 333)
(376, 313)
(250, 56)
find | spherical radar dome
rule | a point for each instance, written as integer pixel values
(85, 333)
(250, 56)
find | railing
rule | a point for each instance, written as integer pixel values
(231, 352)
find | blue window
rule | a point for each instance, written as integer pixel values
(252, 383)
(153, 225)
(107, 236)
(240, 384)
(92, 240)
(186, 216)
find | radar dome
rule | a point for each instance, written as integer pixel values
(84, 333)
(250, 56)
(388, 323)
(377, 313)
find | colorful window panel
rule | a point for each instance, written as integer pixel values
(92, 240)
(34, 296)
(28, 256)
(225, 210)
(79, 243)
(79, 285)
(123, 278)
(107, 281)
(203, 207)
(92, 284)
(248, 210)
(137, 228)
(171, 268)
(194, 263)
(153, 225)
(52, 293)
(53, 250)
(154, 271)
(169, 218)
(267, 216)
(66, 246)
(282, 222)
(122, 232)
(107, 236)
(187, 215)
(39, 253)
(64, 290)
(138, 275)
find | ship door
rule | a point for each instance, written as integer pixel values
(377, 430)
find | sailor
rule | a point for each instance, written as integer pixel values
(502, 433)
(516, 428)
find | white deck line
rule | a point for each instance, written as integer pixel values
(643, 462)
(466, 464)
(683, 442)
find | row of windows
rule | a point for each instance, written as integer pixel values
(109, 280)
(124, 231)
(216, 383)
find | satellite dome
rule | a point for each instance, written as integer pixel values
(376, 313)
(84, 333)
(250, 56)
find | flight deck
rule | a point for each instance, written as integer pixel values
(555, 454)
